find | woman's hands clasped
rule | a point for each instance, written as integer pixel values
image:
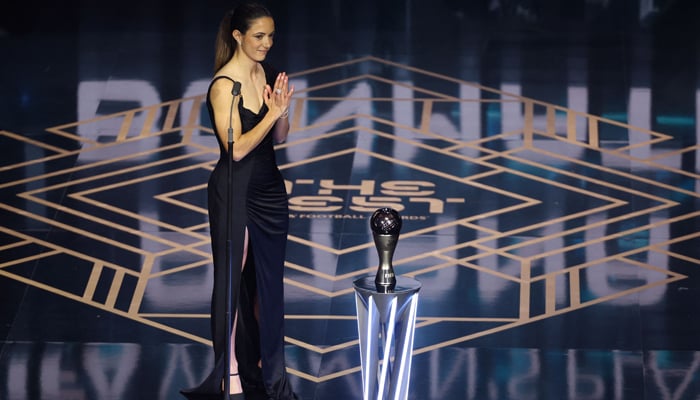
(278, 97)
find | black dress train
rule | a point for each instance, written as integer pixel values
(260, 204)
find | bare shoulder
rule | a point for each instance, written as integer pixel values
(221, 86)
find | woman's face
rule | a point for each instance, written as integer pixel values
(257, 40)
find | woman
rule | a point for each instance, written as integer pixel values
(258, 117)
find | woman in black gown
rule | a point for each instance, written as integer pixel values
(258, 117)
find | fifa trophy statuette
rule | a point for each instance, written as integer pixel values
(386, 225)
(386, 316)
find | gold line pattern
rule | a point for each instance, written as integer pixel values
(90, 208)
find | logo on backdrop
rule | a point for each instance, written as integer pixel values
(327, 199)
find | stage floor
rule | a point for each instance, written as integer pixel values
(545, 163)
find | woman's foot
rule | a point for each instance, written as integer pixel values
(235, 388)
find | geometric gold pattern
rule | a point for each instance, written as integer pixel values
(479, 175)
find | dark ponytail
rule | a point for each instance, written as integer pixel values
(238, 18)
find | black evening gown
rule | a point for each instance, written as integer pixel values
(260, 204)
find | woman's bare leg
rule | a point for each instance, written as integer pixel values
(234, 380)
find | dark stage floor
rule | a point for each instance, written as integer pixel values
(544, 158)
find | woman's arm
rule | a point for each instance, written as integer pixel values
(280, 97)
(281, 128)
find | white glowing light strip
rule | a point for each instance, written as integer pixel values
(387, 346)
(368, 348)
(406, 350)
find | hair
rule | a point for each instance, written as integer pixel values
(238, 18)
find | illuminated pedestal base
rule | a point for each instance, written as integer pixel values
(386, 324)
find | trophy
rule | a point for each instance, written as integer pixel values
(386, 317)
(386, 225)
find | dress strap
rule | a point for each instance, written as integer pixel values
(223, 76)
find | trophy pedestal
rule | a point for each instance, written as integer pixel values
(386, 324)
